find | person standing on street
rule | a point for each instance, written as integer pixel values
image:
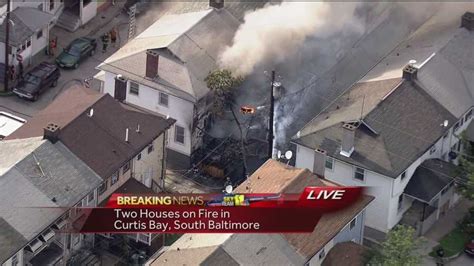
(113, 36)
(20, 70)
(105, 42)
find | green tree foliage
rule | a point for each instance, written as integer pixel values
(399, 249)
(465, 181)
(222, 83)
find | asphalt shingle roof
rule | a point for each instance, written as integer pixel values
(103, 135)
(430, 178)
(26, 21)
(41, 176)
(406, 123)
(188, 44)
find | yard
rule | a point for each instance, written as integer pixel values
(453, 243)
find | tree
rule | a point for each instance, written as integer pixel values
(465, 181)
(222, 83)
(398, 249)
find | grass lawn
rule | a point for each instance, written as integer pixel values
(452, 243)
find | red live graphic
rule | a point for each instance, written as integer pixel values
(217, 213)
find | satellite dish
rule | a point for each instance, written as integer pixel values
(288, 155)
(229, 189)
(445, 123)
(279, 154)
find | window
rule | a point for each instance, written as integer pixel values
(359, 173)
(139, 156)
(403, 175)
(75, 239)
(125, 168)
(39, 34)
(115, 177)
(353, 223)
(134, 88)
(400, 202)
(90, 197)
(322, 254)
(15, 261)
(163, 99)
(446, 134)
(102, 188)
(456, 126)
(51, 4)
(433, 149)
(40, 6)
(179, 134)
(144, 237)
(28, 43)
(468, 115)
(329, 163)
(150, 148)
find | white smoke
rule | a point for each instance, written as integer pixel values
(275, 32)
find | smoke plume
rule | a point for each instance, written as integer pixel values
(275, 32)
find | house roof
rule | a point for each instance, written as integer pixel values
(65, 108)
(103, 135)
(11, 239)
(188, 44)
(345, 253)
(430, 178)
(275, 249)
(449, 76)
(40, 176)
(394, 133)
(26, 22)
(131, 186)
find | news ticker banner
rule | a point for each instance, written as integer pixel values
(216, 213)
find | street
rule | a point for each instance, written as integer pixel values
(100, 24)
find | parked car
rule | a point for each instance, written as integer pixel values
(76, 51)
(469, 247)
(36, 81)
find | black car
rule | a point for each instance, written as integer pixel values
(76, 51)
(36, 81)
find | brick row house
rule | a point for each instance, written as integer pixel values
(122, 145)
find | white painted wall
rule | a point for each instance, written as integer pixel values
(88, 11)
(20, 259)
(179, 109)
(378, 186)
(315, 260)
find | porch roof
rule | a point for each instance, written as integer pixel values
(430, 178)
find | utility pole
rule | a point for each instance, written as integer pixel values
(7, 46)
(270, 123)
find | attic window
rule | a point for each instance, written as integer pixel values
(403, 175)
(468, 115)
(134, 88)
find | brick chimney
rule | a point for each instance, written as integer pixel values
(319, 164)
(217, 4)
(152, 60)
(467, 21)
(120, 89)
(348, 135)
(51, 132)
(409, 72)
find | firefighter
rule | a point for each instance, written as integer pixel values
(52, 46)
(11, 72)
(20, 70)
(105, 42)
(113, 36)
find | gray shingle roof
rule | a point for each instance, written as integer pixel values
(26, 21)
(26, 187)
(449, 76)
(188, 52)
(430, 178)
(404, 131)
(10, 239)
